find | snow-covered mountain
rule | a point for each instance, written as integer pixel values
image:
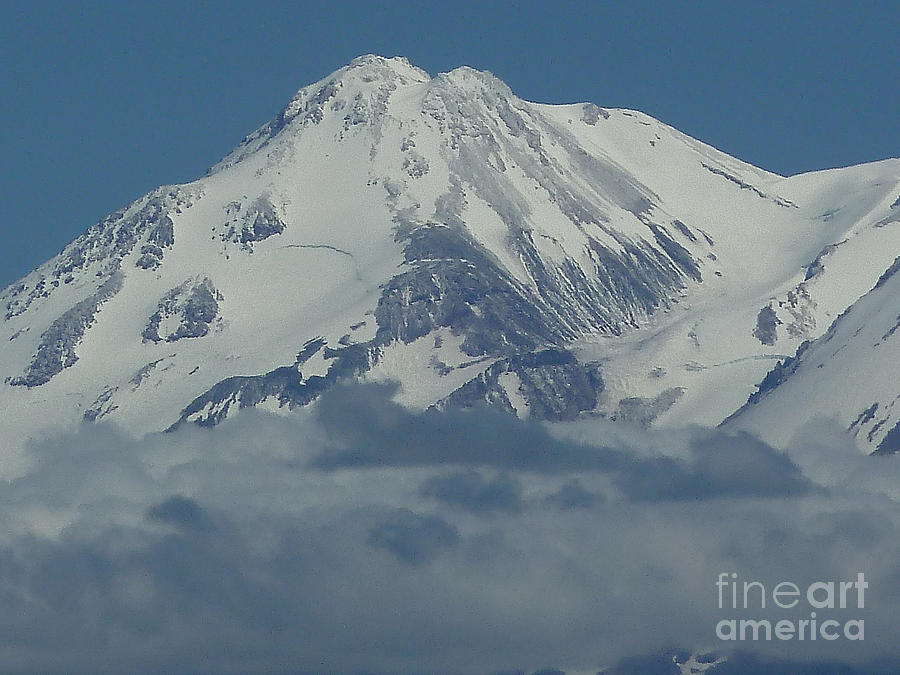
(553, 260)
(849, 374)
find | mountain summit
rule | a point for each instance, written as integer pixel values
(552, 260)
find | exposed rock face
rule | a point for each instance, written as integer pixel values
(591, 114)
(286, 386)
(766, 326)
(746, 186)
(551, 382)
(102, 405)
(644, 411)
(774, 378)
(890, 444)
(252, 223)
(888, 273)
(56, 350)
(151, 257)
(454, 283)
(161, 236)
(817, 266)
(100, 250)
(184, 312)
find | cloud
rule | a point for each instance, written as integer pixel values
(719, 466)
(572, 495)
(331, 540)
(182, 512)
(470, 490)
(384, 434)
(413, 538)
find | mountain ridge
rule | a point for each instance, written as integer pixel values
(443, 232)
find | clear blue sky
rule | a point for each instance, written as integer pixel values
(103, 101)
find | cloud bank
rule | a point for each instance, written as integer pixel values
(359, 536)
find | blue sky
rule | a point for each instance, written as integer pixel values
(101, 102)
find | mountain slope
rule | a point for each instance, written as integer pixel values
(840, 375)
(552, 260)
(712, 351)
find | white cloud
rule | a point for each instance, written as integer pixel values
(361, 536)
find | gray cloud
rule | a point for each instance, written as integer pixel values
(384, 434)
(413, 538)
(182, 512)
(573, 495)
(719, 466)
(474, 544)
(470, 490)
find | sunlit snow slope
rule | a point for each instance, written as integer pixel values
(554, 261)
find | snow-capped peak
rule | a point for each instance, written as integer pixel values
(555, 261)
(374, 64)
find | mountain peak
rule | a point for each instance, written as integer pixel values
(375, 64)
(356, 91)
(468, 78)
(360, 93)
(374, 67)
(444, 233)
